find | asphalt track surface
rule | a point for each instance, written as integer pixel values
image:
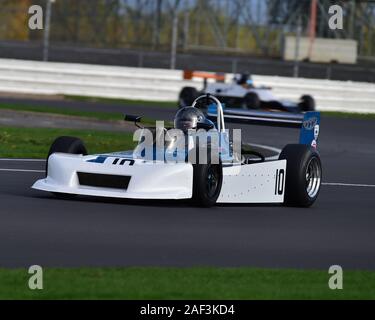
(339, 229)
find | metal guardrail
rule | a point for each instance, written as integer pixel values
(34, 77)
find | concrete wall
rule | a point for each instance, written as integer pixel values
(323, 50)
(22, 76)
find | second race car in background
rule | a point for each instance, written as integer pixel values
(242, 93)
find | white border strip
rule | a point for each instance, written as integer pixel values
(348, 184)
(323, 183)
(22, 160)
(20, 170)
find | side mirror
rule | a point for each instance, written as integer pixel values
(132, 118)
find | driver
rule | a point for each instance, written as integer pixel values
(191, 118)
(244, 80)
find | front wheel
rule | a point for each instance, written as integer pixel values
(207, 180)
(303, 175)
(71, 145)
(252, 101)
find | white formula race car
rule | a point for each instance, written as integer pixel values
(242, 93)
(294, 179)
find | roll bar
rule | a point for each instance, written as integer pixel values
(220, 114)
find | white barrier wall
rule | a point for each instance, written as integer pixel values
(36, 77)
(322, 50)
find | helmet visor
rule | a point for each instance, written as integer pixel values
(188, 118)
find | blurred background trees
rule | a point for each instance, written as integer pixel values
(220, 26)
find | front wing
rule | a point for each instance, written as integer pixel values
(157, 180)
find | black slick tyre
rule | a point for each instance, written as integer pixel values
(307, 103)
(207, 181)
(252, 101)
(69, 145)
(303, 175)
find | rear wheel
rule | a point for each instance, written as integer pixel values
(307, 103)
(252, 101)
(69, 145)
(303, 175)
(187, 96)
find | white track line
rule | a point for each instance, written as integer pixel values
(336, 184)
(23, 160)
(20, 170)
(348, 184)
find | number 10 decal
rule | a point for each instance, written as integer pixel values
(279, 184)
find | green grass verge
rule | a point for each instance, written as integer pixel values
(163, 104)
(35, 142)
(70, 112)
(62, 111)
(185, 283)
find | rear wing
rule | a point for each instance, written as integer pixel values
(308, 123)
(189, 75)
(219, 77)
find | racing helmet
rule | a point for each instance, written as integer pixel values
(190, 118)
(242, 78)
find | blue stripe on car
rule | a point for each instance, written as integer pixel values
(99, 159)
